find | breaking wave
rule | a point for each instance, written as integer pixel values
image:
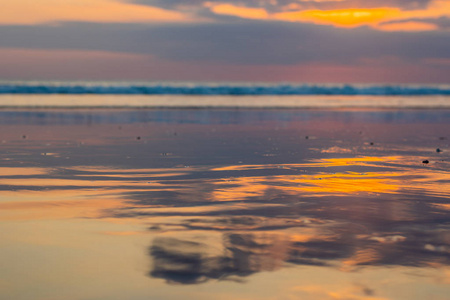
(218, 89)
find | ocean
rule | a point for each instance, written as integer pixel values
(231, 89)
(114, 191)
(215, 95)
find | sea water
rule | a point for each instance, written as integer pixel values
(173, 88)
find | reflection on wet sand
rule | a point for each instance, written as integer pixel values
(188, 262)
(342, 245)
(224, 217)
(339, 219)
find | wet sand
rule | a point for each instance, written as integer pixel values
(225, 204)
(187, 101)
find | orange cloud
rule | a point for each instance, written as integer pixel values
(34, 12)
(237, 11)
(407, 26)
(436, 9)
(347, 17)
(351, 17)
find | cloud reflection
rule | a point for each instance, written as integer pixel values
(334, 203)
(178, 260)
(312, 213)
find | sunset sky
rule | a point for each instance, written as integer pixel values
(312, 41)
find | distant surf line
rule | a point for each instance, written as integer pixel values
(88, 88)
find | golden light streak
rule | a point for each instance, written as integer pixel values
(339, 184)
(312, 185)
(351, 17)
(327, 162)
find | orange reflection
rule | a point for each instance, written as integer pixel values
(325, 162)
(229, 193)
(64, 209)
(341, 183)
(241, 188)
(309, 234)
(142, 175)
(195, 209)
(442, 206)
(7, 171)
(311, 185)
(360, 161)
(433, 182)
(108, 170)
(65, 183)
(361, 257)
(122, 233)
(318, 184)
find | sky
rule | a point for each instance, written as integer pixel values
(307, 41)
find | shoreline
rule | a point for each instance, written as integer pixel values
(19, 101)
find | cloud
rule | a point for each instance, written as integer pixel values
(238, 11)
(29, 64)
(286, 5)
(345, 14)
(339, 13)
(242, 49)
(102, 11)
(408, 26)
(353, 17)
(248, 43)
(442, 23)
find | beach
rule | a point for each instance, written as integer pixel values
(224, 200)
(225, 150)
